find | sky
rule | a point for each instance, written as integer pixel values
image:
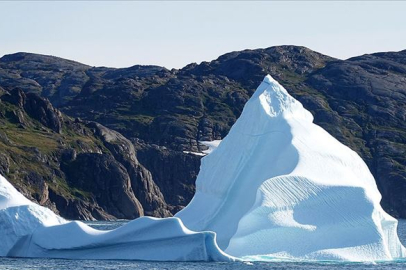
(174, 34)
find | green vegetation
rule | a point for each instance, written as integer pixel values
(34, 150)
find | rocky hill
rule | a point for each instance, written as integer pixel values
(51, 158)
(360, 101)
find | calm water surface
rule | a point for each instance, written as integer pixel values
(62, 264)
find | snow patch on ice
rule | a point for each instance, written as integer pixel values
(211, 144)
(194, 153)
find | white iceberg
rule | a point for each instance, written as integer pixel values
(145, 238)
(20, 217)
(30, 230)
(279, 186)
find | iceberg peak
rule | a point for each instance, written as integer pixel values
(269, 109)
(276, 101)
(269, 79)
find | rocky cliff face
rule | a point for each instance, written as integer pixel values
(35, 107)
(77, 168)
(164, 112)
(140, 178)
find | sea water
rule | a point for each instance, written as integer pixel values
(63, 264)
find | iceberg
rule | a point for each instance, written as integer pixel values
(19, 216)
(144, 238)
(30, 230)
(280, 187)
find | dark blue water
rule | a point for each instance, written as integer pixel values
(62, 264)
